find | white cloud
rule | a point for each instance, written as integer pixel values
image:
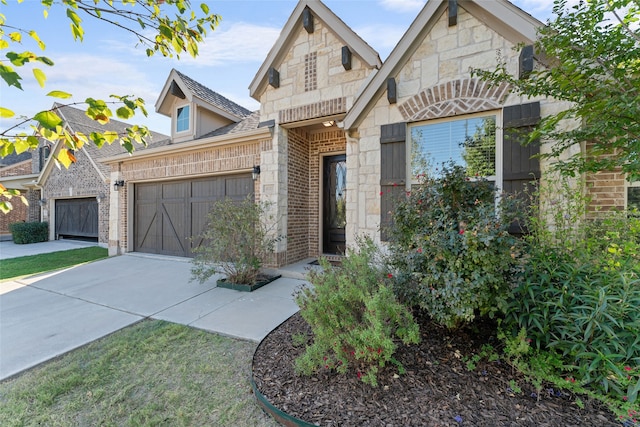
(382, 37)
(239, 43)
(403, 5)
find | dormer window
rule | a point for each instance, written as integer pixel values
(182, 119)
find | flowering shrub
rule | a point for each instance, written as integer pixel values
(354, 317)
(451, 249)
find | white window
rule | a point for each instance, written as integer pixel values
(469, 141)
(633, 196)
(182, 119)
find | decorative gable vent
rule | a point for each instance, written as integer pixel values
(307, 20)
(391, 90)
(526, 62)
(453, 12)
(175, 90)
(274, 77)
(346, 57)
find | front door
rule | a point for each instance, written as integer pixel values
(334, 215)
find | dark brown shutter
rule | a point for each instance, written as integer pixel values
(393, 172)
(521, 166)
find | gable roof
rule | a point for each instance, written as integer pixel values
(14, 158)
(277, 53)
(502, 16)
(77, 121)
(200, 94)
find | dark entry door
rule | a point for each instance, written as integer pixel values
(77, 218)
(334, 204)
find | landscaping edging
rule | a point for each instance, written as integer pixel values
(223, 283)
(277, 414)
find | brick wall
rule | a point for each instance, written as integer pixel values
(20, 211)
(299, 208)
(189, 164)
(80, 180)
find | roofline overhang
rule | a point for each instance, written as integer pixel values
(19, 182)
(191, 145)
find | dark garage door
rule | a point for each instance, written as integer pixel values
(77, 218)
(167, 214)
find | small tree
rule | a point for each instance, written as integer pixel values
(236, 242)
(589, 56)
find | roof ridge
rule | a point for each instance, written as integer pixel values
(216, 98)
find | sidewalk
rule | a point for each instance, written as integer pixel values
(8, 249)
(44, 316)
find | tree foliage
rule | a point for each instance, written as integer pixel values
(589, 56)
(168, 27)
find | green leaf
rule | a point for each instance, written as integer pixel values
(125, 112)
(35, 36)
(6, 113)
(10, 77)
(48, 119)
(44, 60)
(110, 136)
(40, 76)
(204, 8)
(59, 94)
(33, 141)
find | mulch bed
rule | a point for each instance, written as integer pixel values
(436, 390)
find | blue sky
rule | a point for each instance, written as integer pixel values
(108, 62)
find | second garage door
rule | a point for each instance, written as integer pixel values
(168, 214)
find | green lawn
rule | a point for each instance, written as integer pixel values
(22, 266)
(153, 373)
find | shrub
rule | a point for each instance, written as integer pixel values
(236, 242)
(29, 232)
(451, 249)
(354, 317)
(580, 295)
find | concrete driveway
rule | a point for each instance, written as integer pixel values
(44, 316)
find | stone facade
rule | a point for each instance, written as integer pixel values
(434, 82)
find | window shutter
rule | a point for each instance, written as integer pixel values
(392, 172)
(521, 167)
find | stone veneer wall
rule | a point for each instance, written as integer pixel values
(225, 159)
(435, 81)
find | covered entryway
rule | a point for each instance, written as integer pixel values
(167, 214)
(76, 218)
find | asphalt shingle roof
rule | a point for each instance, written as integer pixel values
(248, 123)
(78, 121)
(213, 98)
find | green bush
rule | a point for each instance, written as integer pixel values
(451, 249)
(580, 296)
(29, 232)
(354, 317)
(236, 241)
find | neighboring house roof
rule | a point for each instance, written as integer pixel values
(14, 158)
(290, 30)
(77, 121)
(183, 86)
(508, 20)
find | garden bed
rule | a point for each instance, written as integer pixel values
(437, 389)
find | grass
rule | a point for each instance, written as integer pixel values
(33, 264)
(153, 373)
